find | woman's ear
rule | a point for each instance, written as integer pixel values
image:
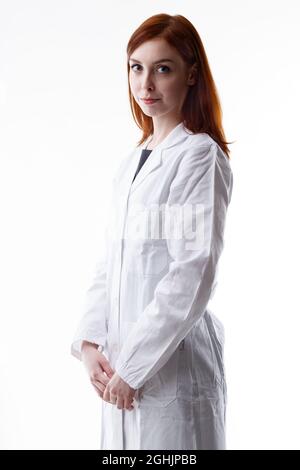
(192, 76)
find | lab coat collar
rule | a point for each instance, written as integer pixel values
(177, 134)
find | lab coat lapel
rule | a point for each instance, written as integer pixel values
(152, 162)
(124, 185)
(155, 158)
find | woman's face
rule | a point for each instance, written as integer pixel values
(164, 80)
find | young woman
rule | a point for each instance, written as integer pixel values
(151, 346)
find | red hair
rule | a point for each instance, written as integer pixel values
(201, 111)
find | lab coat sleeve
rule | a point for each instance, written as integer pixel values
(93, 323)
(204, 183)
(92, 326)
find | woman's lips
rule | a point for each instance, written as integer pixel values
(150, 101)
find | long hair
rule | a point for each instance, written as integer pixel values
(201, 110)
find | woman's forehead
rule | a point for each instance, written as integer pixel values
(153, 51)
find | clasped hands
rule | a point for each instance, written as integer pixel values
(118, 392)
(107, 383)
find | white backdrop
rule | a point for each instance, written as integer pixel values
(63, 107)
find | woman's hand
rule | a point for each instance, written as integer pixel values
(97, 366)
(101, 373)
(119, 392)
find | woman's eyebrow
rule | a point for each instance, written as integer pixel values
(156, 62)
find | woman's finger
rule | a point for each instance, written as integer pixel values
(99, 385)
(120, 403)
(98, 391)
(99, 376)
(128, 403)
(106, 366)
(103, 378)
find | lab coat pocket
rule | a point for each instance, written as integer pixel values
(185, 373)
(154, 257)
(203, 362)
(149, 258)
(216, 330)
(161, 389)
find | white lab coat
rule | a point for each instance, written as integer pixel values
(147, 306)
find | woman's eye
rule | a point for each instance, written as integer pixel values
(159, 67)
(164, 67)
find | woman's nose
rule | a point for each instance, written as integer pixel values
(147, 81)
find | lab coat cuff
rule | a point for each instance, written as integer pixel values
(122, 371)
